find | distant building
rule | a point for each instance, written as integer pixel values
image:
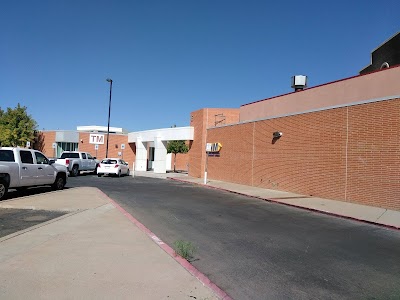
(385, 56)
(103, 129)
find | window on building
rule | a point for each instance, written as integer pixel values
(63, 146)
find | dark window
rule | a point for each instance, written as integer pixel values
(83, 155)
(41, 159)
(26, 157)
(89, 156)
(6, 155)
(70, 155)
(108, 161)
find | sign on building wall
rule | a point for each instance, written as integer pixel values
(213, 147)
(96, 138)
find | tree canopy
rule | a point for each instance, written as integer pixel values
(176, 147)
(16, 127)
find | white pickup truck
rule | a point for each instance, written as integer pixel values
(21, 168)
(77, 161)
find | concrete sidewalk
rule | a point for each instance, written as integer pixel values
(94, 251)
(359, 212)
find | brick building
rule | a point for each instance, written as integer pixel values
(92, 139)
(340, 141)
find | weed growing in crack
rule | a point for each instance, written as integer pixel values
(184, 249)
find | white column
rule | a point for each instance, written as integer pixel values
(168, 162)
(141, 155)
(160, 155)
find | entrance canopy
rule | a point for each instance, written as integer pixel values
(159, 137)
(166, 134)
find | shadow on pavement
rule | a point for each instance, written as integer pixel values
(14, 220)
(13, 194)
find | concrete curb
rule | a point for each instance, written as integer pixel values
(291, 205)
(183, 262)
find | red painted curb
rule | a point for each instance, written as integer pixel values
(291, 205)
(183, 262)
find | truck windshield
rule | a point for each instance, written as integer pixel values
(70, 155)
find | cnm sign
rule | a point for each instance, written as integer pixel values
(213, 147)
(96, 138)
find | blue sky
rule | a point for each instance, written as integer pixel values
(170, 57)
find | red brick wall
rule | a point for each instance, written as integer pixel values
(349, 154)
(307, 159)
(182, 160)
(373, 164)
(201, 120)
(196, 153)
(235, 161)
(45, 140)
(114, 146)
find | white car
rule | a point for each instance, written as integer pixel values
(115, 166)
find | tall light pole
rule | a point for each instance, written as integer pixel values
(109, 113)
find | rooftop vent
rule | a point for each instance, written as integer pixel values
(299, 82)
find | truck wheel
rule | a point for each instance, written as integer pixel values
(3, 189)
(58, 184)
(99, 174)
(75, 171)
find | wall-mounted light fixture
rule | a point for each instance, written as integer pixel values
(277, 134)
(81, 141)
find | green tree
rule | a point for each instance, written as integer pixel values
(176, 147)
(16, 127)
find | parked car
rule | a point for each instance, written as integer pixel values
(21, 168)
(77, 161)
(115, 166)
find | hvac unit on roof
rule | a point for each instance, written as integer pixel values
(299, 82)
